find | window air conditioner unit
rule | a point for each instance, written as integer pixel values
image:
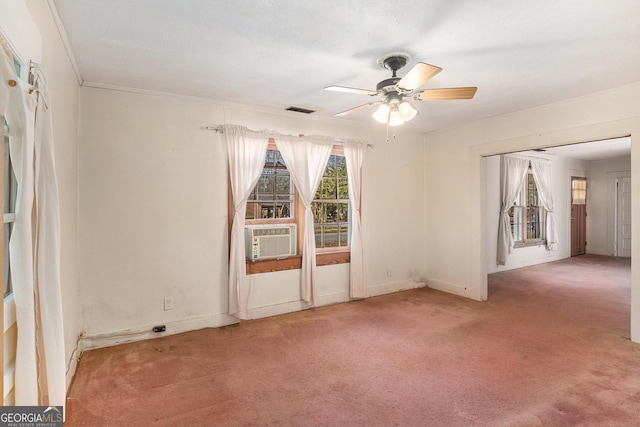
(270, 241)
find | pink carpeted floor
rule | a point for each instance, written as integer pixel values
(550, 348)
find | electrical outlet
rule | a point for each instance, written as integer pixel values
(168, 303)
(160, 328)
(389, 273)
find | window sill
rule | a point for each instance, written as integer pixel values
(529, 243)
(295, 262)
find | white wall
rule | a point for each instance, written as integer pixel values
(63, 90)
(601, 203)
(153, 214)
(455, 186)
(563, 169)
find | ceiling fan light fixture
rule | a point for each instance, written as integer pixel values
(382, 113)
(395, 117)
(407, 112)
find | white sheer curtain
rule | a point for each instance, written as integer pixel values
(513, 171)
(47, 273)
(246, 151)
(354, 155)
(40, 364)
(306, 159)
(541, 170)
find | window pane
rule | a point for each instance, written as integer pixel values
(329, 188)
(277, 159)
(283, 210)
(341, 163)
(9, 198)
(578, 191)
(534, 212)
(318, 233)
(7, 274)
(283, 183)
(331, 212)
(265, 183)
(343, 189)
(317, 208)
(330, 170)
(330, 236)
(7, 182)
(344, 212)
(266, 210)
(270, 158)
(515, 219)
(344, 235)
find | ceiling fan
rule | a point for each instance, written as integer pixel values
(394, 110)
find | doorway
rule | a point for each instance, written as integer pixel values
(578, 215)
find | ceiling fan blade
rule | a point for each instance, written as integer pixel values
(450, 93)
(354, 109)
(351, 90)
(417, 76)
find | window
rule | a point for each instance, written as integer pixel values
(10, 193)
(273, 196)
(274, 200)
(578, 191)
(331, 208)
(527, 216)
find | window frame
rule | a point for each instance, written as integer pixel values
(522, 202)
(10, 194)
(324, 256)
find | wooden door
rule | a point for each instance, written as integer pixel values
(578, 216)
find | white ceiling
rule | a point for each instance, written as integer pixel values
(277, 53)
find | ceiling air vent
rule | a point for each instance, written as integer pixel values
(300, 110)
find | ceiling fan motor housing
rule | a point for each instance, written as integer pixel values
(388, 85)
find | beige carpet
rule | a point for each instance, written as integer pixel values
(550, 348)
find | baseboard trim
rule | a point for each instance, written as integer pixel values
(452, 288)
(89, 342)
(293, 306)
(389, 288)
(73, 365)
(526, 263)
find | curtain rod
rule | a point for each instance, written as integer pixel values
(220, 129)
(526, 156)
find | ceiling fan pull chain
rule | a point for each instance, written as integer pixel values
(394, 132)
